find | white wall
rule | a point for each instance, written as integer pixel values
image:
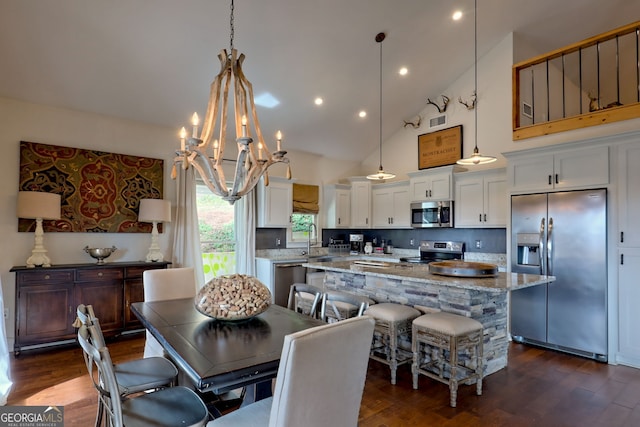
(400, 151)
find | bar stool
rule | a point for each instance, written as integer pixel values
(442, 332)
(392, 321)
(304, 299)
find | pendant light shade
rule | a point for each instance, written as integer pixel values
(476, 158)
(381, 174)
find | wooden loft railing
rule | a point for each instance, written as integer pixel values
(589, 83)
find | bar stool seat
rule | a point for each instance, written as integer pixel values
(392, 321)
(432, 335)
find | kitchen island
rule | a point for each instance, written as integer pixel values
(484, 298)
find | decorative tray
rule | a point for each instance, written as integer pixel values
(463, 269)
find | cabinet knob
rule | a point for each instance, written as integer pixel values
(100, 274)
(47, 277)
(485, 217)
(480, 217)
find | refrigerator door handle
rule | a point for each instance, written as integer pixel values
(550, 248)
(541, 247)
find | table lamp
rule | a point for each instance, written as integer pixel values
(38, 205)
(155, 211)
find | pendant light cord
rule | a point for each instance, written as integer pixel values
(380, 36)
(475, 67)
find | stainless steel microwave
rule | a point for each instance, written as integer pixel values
(432, 214)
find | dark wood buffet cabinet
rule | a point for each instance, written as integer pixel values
(46, 299)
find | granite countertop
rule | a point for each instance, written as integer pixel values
(503, 282)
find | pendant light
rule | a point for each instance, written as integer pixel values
(381, 174)
(476, 158)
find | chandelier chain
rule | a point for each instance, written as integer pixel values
(231, 29)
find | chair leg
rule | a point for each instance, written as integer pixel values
(392, 355)
(415, 347)
(453, 381)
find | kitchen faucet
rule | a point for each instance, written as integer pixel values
(311, 226)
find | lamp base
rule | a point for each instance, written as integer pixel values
(154, 254)
(38, 256)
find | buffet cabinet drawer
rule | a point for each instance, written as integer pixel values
(40, 277)
(46, 300)
(99, 274)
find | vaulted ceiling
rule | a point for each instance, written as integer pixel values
(153, 60)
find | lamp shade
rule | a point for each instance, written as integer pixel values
(157, 210)
(37, 204)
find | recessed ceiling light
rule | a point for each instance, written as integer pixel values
(457, 15)
(362, 114)
(318, 101)
(403, 71)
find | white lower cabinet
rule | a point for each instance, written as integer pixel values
(628, 303)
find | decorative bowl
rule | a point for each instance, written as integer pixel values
(233, 297)
(100, 253)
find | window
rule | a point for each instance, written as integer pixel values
(305, 210)
(217, 233)
(300, 225)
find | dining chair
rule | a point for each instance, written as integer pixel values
(338, 306)
(133, 376)
(167, 407)
(318, 384)
(304, 299)
(166, 284)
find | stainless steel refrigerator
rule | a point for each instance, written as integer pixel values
(561, 234)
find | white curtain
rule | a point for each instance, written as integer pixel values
(186, 243)
(5, 380)
(245, 228)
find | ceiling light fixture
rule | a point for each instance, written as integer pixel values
(403, 71)
(476, 158)
(206, 154)
(457, 15)
(318, 101)
(362, 114)
(381, 174)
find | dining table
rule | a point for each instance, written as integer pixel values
(221, 356)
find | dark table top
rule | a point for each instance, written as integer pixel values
(221, 356)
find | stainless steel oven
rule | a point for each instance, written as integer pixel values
(432, 214)
(431, 250)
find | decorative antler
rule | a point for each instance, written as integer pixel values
(442, 109)
(414, 124)
(471, 104)
(594, 105)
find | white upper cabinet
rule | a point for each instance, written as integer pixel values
(628, 195)
(432, 184)
(275, 203)
(481, 199)
(390, 205)
(554, 169)
(337, 205)
(360, 202)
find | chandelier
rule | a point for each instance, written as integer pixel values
(205, 152)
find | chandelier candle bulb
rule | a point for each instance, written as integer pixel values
(278, 141)
(244, 126)
(259, 151)
(183, 135)
(195, 121)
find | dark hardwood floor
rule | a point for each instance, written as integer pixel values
(539, 388)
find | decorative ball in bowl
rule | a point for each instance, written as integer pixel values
(233, 297)
(100, 253)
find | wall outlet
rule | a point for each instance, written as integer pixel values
(478, 244)
(412, 242)
(278, 242)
